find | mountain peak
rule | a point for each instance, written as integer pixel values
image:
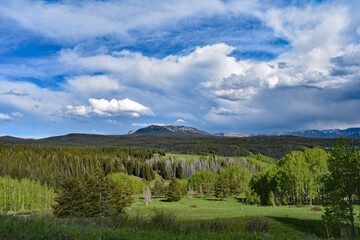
(171, 130)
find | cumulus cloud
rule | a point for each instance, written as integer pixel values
(103, 107)
(11, 116)
(4, 116)
(133, 68)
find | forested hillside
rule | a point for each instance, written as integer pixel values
(274, 146)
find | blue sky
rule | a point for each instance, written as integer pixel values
(247, 66)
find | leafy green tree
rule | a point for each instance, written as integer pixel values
(159, 188)
(222, 188)
(174, 192)
(238, 178)
(342, 186)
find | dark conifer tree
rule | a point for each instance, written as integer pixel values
(179, 171)
(70, 199)
(222, 188)
(174, 192)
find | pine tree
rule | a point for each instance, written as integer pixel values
(94, 195)
(174, 191)
(159, 188)
(179, 171)
(70, 199)
(222, 188)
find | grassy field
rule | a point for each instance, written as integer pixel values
(283, 220)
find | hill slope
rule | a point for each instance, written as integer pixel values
(171, 130)
(272, 146)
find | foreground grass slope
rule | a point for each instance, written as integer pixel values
(284, 221)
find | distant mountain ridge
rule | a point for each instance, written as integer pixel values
(171, 130)
(331, 133)
(232, 134)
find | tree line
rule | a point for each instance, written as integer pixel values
(24, 194)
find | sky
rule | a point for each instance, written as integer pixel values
(107, 67)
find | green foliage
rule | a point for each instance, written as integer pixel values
(52, 164)
(238, 177)
(206, 179)
(342, 188)
(263, 158)
(183, 183)
(94, 195)
(297, 178)
(179, 171)
(174, 193)
(122, 179)
(222, 188)
(274, 147)
(159, 189)
(26, 194)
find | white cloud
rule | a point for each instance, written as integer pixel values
(180, 121)
(91, 84)
(170, 72)
(38, 100)
(114, 122)
(4, 116)
(16, 92)
(17, 115)
(103, 107)
(142, 125)
(68, 20)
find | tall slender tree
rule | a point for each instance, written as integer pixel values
(342, 186)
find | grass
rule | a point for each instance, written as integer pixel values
(283, 220)
(43, 228)
(210, 219)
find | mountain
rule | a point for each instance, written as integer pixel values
(232, 134)
(171, 130)
(331, 133)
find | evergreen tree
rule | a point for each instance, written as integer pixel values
(174, 191)
(159, 188)
(179, 171)
(94, 195)
(70, 199)
(222, 188)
